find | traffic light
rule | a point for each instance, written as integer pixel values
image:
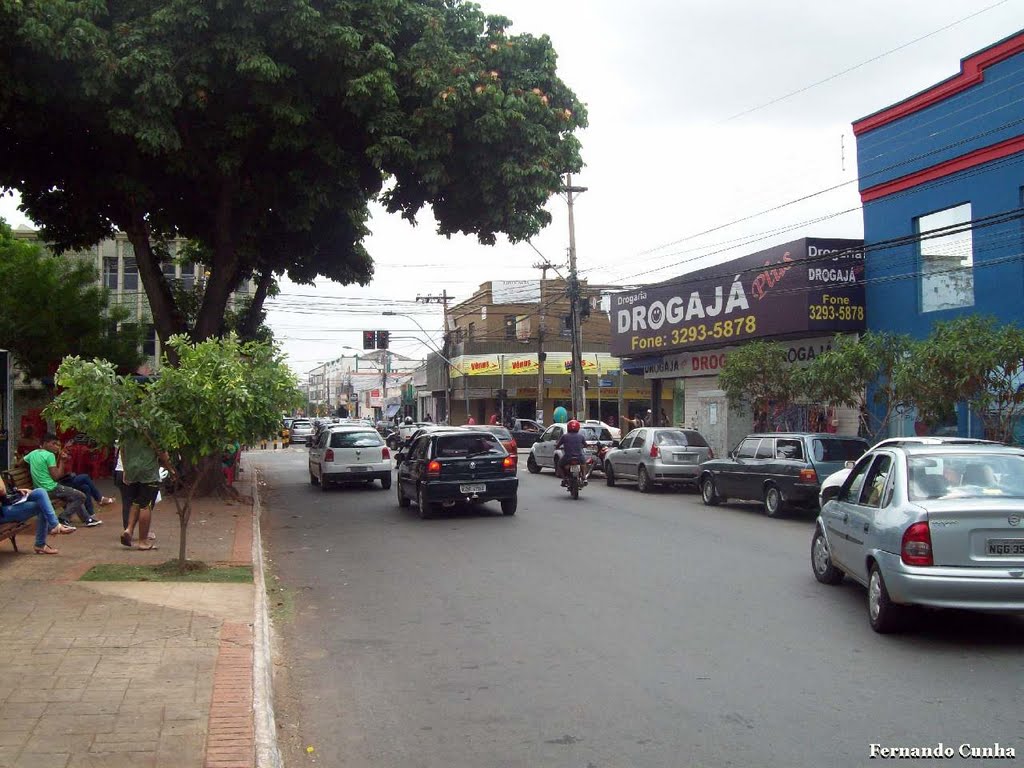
(369, 340)
(382, 339)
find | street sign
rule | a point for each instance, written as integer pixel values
(547, 381)
(604, 383)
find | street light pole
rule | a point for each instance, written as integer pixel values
(575, 296)
(426, 337)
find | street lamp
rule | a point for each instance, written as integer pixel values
(448, 377)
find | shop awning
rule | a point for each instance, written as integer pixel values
(391, 411)
(636, 365)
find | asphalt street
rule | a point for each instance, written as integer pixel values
(620, 630)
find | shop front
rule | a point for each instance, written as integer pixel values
(682, 331)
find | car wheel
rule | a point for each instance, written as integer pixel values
(508, 506)
(885, 616)
(532, 465)
(773, 504)
(609, 474)
(403, 500)
(821, 560)
(313, 480)
(421, 502)
(385, 482)
(708, 494)
(643, 481)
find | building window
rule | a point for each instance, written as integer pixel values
(947, 260)
(188, 276)
(110, 272)
(149, 341)
(131, 274)
(470, 331)
(510, 326)
(168, 268)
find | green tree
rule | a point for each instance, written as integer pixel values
(221, 390)
(52, 307)
(758, 376)
(974, 360)
(860, 373)
(264, 128)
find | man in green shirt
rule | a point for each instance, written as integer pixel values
(141, 461)
(47, 465)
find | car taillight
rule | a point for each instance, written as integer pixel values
(917, 545)
(512, 446)
(509, 463)
(385, 453)
(329, 455)
(808, 476)
(434, 467)
(655, 451)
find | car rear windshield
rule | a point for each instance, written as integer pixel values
(355, 439)
(499, 432)
(595, 433)
(965, 476)
(838, 449)
(672, 437)
(475, 444)
(303, 424)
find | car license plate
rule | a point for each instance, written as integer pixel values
(684, 458)
(1005, 546)
(357, 469)
(473, 488)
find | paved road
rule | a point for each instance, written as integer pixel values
(619, 630)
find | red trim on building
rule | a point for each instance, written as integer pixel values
(957, 164)
(972, 72)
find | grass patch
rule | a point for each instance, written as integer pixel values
(195, 571)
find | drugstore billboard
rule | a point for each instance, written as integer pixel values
(811, 286)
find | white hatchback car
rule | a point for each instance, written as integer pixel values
(349, 453)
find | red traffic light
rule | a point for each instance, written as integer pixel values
(369, 339)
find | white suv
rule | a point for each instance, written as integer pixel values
(348, 453)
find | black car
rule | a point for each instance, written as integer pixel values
(782, 469)
(525, 432)
(445, 467)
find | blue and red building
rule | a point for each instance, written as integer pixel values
(942, 184)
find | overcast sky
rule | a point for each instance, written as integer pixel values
(666, 156)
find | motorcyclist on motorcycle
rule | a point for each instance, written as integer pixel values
(573, 446)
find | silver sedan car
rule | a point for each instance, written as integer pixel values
(927, 525)
(657, 455)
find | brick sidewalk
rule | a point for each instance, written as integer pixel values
(93, 678)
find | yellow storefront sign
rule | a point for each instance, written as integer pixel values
(555, 364)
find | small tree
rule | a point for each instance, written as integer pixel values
(970, 359)
(858, 373)
(758, 376)
(52, 307)
(221, 390)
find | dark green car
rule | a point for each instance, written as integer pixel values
(452, 466)
(782, 469)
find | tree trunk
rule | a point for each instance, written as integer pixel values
(251, 323)
(167, 319)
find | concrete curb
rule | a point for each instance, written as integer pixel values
(267, 753)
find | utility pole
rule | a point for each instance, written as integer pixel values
(575, 296)
(446, 346)
(542, 328)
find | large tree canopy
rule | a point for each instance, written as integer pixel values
(263, 128)
(52, 307)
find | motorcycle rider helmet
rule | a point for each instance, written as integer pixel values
(408, 419)
(573, 426)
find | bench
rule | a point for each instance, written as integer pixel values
(9, 530)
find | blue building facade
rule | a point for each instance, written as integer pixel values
(942, 184)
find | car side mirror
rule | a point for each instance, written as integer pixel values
(830, 493)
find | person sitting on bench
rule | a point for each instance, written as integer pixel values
(50, 470)
(20, 504)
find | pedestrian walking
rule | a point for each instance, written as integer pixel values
(141, 461)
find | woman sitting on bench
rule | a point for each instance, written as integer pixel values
(19, 504)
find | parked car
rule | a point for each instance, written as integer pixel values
(783, 469)
(542, 453)
(446, 466)
(654, 456)
(831, 484)
(349, 453)
(500, 432)
(526, 431)
(300, 431)
(927, 525)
